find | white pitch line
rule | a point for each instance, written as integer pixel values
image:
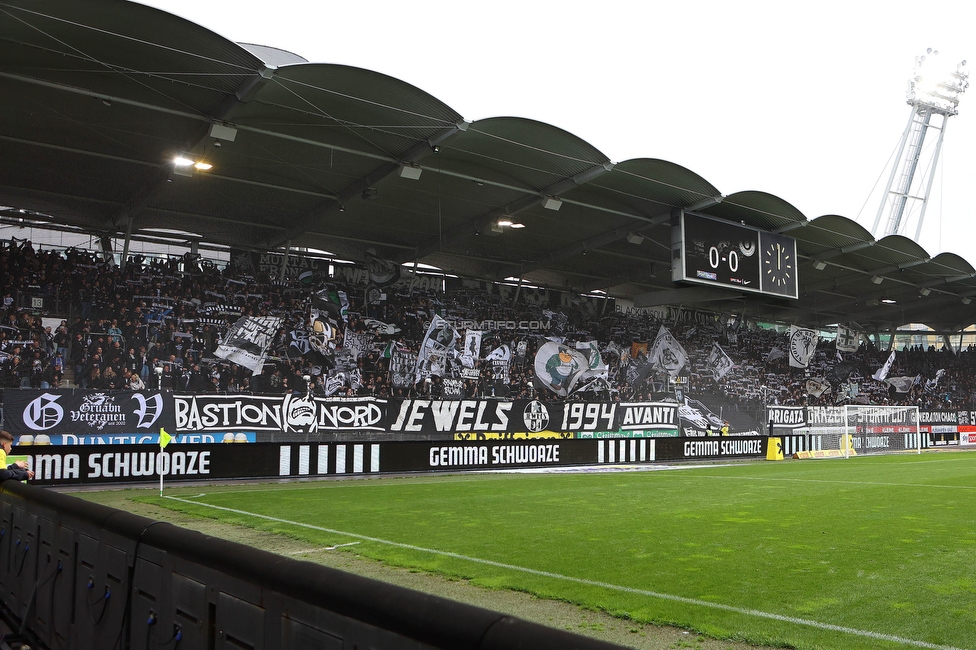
(596, 583)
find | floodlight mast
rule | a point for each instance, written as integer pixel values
(933, 92)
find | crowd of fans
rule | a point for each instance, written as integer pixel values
(157, 323)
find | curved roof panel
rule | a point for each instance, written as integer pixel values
(759, 209)
(100, 95)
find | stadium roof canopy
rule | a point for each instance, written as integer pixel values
(100, 96)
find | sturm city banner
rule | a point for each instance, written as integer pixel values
(81, 413)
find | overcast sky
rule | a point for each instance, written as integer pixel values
(804, 100)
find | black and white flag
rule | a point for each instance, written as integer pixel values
(382, 272)
(902, 384)
(932, 384)
(882, 373)
(667, 353)
(803, 343)
(247, 341)
(718, 362)
(438, 350)
(847, 339)
(472, 348)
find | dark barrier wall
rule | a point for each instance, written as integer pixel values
(77, 575)
(95, 464)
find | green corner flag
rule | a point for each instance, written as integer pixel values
(164, 438)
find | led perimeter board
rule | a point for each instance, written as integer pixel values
(726, 254)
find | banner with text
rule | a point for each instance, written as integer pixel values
(64, 411)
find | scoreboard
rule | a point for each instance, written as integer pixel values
(722, 253)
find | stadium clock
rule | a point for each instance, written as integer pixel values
(726, 254)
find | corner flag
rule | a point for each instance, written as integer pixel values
(164, 439)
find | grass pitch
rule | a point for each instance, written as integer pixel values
(871, 552)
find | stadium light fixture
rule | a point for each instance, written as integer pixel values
(222, 132)
(509, 222)
(888, 301)
(924, 291)
(635, 238)
(411, 172)
(820, 265)
(877, 279)
(552, 203)
(966, 300)
(937, 84)
(184, 166)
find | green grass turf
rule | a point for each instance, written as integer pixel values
(881, 545)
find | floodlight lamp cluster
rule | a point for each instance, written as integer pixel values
(937, 85)
(186, 165)
(504, 222)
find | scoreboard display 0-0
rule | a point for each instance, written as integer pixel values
(722, 253)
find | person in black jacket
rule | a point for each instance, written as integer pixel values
(17, 471)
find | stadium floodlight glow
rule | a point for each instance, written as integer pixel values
(888, 301)
(937, 84)
(182, 165)
(508, 222)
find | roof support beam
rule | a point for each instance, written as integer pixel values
(354, 191)
(475, 225)
(246, 93)
(609, 237)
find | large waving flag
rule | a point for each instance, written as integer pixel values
(882, 373)
(847, 339)
(247, 341)
(597, 366)
(438, 349)
(559, 367)
(667, 353)
(803, 343)
(718, 362)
